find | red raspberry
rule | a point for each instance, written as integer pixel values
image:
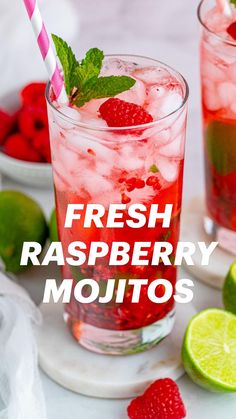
(154, 182)
(161, 400)
(118, 113)
(125, 199)
(34, 95)
(232, 30)
(139, 184)
(32, 120)
(42, 145)
(6, 125)
(18, 146)
(131, 184)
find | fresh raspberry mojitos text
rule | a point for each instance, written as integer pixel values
(218, 76)
(126, 149)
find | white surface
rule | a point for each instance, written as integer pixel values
(193, 231)
(106, 376)
(166, 30)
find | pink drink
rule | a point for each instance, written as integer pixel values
(218, 75)
(96, 164)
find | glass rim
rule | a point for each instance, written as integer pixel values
(219, 37)
(88, 127)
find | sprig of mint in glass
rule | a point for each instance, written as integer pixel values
(82, 81)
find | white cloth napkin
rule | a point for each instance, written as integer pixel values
(21, 395)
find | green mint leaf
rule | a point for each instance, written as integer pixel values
(90, 66)
(153, 168)
(102, 87)
(82, 81)
(68, 62)
(233, 2)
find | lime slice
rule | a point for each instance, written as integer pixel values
(209, 350)
(229, 289)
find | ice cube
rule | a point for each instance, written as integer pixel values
(145, 194)
(168, 168)
(137, 94)
(163, 137)
(179, 123)
(231, 73)
(95, 122)
(104, 168)
(68, 158)
(94, 183)
(225, 52)
(83, 140)
(107, 198)
(128, 159)
(152, 75)
(174, 149)
(227, 93)
(213, 72)
(170, 103)
(90, 109)
(72, 114)
(117, 67)
(154, 100)
(210, 95)
(60, 183)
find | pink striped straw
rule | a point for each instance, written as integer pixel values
(46, 50)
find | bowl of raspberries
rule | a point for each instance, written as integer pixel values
(24, 136)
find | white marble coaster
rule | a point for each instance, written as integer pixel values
(192, 230)
(82, 371)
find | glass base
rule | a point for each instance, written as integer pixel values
(118, 342)
(225, 237)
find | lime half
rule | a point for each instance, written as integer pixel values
(209, 350)
(229, 289)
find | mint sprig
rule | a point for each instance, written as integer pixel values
(69, 63)
(233, 2)
(82, 81)
(91, 65)
(100, 87)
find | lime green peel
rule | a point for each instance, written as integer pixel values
(229, 289)
(209, 350)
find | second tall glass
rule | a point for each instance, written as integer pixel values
(218, 81)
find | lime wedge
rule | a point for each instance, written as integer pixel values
(209, 350)
(229, 289)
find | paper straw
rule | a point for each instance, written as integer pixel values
(224, 6)
(46, 50)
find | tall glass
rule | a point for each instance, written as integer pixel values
(100, 166)
(218, 82)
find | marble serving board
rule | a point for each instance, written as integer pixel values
(91, 374)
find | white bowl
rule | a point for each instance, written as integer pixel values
(35, 174)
